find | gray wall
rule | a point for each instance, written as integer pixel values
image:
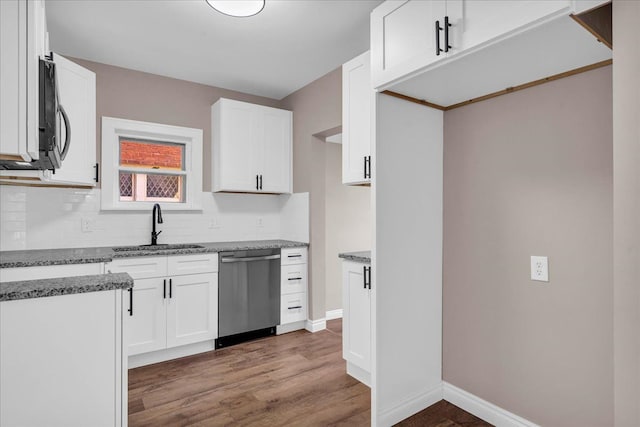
(317, 107)
(134, 95)
(531, 173)
(626, 192)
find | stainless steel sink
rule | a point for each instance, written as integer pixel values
(160, 247)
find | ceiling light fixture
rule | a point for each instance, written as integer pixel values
(239, 8)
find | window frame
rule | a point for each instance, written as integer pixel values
(113, 129)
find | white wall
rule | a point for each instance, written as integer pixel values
(42, 218)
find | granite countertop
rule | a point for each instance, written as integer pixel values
(41, 257)
(26, 289)
(362, 256)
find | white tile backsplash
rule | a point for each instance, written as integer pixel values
(43, 218)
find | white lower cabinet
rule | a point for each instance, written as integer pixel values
(293, 290)
(192, 310)
(356, 319)
(146, 326)
(62, 361)
(175, 301)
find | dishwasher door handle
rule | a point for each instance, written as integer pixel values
(250, 258)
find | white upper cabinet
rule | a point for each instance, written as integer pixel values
(474, 22)
(358, 98)
(410, 36)
(251, 148)
(276, 151)
(23, 42)
(403, 37)
(485, 47)
(77, 89)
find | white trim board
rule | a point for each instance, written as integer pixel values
(482, 409)
(410, 406)
(334, 314)
(316, 325)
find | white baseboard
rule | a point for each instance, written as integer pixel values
(290, 327)
(410, 406)
(360, 374)
(316, 325)
(483, 409)
(334, 314)
(169, 353)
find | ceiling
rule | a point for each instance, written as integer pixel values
(286, 46)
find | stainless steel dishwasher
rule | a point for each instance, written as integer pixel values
(248, 295)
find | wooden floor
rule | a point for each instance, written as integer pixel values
(295, 379)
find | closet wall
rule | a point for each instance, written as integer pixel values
(531, 173)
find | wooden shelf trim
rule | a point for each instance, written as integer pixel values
(501, 92)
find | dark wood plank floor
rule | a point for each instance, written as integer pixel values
(295, 379)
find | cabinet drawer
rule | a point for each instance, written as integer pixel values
(293, 308)
(139, 268)
(49, 271)
(192, 264)
(293, 279)
(294, 256)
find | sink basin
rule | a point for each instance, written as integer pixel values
(161, 247)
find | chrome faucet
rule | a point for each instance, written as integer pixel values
(154, 235)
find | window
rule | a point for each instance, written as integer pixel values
(146, 163)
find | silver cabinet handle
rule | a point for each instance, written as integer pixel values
(253, 258)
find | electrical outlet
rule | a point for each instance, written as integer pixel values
(540, 268)
(214, 223)
(259, 222)
(87, 225)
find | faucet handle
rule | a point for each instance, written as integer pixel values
(157, 233)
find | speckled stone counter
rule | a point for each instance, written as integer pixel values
(40, 257)
(27, 289)
(362, 256)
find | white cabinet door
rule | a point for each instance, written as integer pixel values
(77, 90)
(357, 101)
(13, 74)
(276, 151)
(403, 38)
(235, 132)
(22, 44)
(146, 326)
(477, 21)
(61, 361)
(192, 310)
(356, 320)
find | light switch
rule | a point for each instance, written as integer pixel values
(540, 268)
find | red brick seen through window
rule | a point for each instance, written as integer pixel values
(150, 155)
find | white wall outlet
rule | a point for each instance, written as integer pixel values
(87, 225)
(540, 268)
(259, 222)
(214, 223)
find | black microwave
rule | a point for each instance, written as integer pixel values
(52, 149)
